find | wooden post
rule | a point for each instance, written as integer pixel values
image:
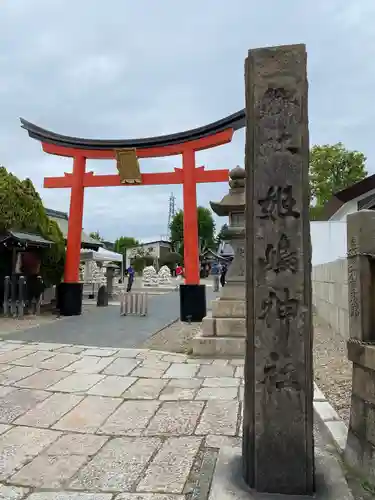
(278, 454)
(71, 274)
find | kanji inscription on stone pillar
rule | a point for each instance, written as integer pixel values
(278, 454)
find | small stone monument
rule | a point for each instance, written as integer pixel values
(223, 331)
(164, 275)
(278, 451)
(150, 276)
(110, 274)
(102, 300)
(360, 447)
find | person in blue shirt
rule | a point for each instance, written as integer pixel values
(130, 278)
(215, 273)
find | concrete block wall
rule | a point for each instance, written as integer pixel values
(330, 294)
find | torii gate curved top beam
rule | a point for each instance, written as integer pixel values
(234, 122)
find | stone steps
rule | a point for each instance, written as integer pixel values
(218, 346)
(222, 327)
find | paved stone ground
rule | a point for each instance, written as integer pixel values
(119, 331)
(112, 422)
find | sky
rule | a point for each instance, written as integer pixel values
(127, 69)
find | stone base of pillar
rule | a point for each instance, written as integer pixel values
(218, 347)
(360, 447)
(223, 330)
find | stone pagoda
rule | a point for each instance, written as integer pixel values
(223, 329)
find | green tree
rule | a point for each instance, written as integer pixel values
(125, 242)
(21, 208)
(206, 229)
(96, 236)
(142, 259)
(221, 236)
(332, 168)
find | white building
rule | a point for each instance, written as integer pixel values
(154, 249)
(359, 196)
(328, 235)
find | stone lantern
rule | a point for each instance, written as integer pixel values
(223, 331)
(110, 274)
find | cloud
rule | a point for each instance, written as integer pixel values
(121, 69)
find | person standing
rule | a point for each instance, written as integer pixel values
(215, 273)
(223, 274)
(179, 272)
(131, 273)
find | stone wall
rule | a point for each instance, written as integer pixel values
(330, 294)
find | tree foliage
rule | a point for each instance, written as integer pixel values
(142, 259)
(221, 235)
(96, 236)
(332, 168)
(21, 208)
(125, 242)
(171, 260)
(206, 229)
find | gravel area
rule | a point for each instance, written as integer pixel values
(333, 370)
(174, 338)
(11, 325)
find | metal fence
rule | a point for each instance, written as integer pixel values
(19, 298)
(135, 303)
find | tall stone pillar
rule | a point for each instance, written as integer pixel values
(278, 451)
(360, 447)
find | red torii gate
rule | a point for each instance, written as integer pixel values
(185, 144)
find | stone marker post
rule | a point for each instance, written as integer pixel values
(360, 446)
(278, 450)
(110, 274)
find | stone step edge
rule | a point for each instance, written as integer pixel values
(329, 418)
(217, 340)
(222, 317)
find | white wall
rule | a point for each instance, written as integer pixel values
(330, 294)
(328, 241)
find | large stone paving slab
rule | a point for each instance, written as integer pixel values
(12, 492)
(47, 471)
(50, 410)
(118, 465)
(88, 415)
(18, 402)
(175, 418)
(130, 419)
(219, 417)
(169, 470)
(19, 445)
(61, 495)
(42, 379)
(77, 382)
